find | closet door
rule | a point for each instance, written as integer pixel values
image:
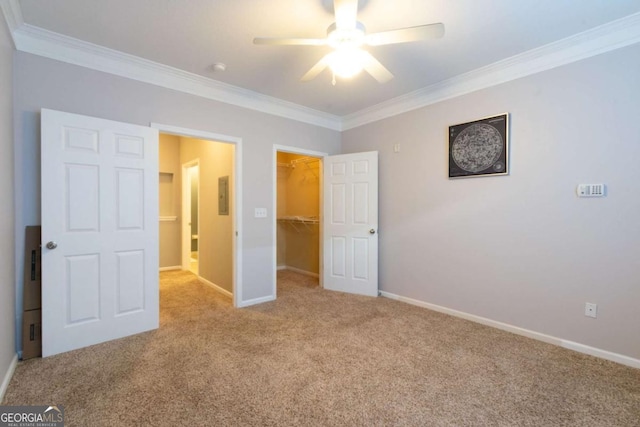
(350, 228)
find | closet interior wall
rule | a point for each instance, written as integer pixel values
(298, 210)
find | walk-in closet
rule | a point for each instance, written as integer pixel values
(298, 213)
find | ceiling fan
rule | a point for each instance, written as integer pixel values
(347, 36)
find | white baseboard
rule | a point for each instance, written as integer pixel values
(216, 287)
(7, 376)
(571, 345)
(175, 267)
(298, 270)
(255, 301)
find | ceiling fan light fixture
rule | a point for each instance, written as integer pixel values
(346, 62)
(345, 37)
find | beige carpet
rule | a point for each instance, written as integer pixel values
(315, 357)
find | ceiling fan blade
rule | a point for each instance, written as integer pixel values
(404, 35)
(316, 69)
(375, 68)
(346, 13)
(289, 41)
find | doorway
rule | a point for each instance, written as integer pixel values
(298, 208)
(204, 244)
(202, 238)
(127, 201)
(347, 220)
(190, 215)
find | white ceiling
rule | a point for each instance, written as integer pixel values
(191, 35)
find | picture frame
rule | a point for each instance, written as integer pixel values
(480, 147)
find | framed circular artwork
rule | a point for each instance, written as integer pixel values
(479, 148)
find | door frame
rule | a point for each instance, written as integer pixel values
(274, 209)
(235, 199)
(186, 236)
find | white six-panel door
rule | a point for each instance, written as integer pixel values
(350, 227)
(99, 230)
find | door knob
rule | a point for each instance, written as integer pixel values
(372, 231)
(52, 245)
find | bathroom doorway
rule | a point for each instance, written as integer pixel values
(190, 215)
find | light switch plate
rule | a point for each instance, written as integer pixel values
(260, 213)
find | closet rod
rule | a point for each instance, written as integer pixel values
(307, 221)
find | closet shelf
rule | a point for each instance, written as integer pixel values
(306, 161)
(306, 221)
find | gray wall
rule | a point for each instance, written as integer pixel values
(43, 83)
(7, 242)
(522, 249)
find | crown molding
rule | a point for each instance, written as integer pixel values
(613, 35)
(49, 44)
(13, 15)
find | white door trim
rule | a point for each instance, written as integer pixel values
(186, 214)
(274, 207)
(236, 196)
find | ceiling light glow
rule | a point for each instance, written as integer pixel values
(346, 62)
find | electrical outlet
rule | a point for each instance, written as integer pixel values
(260, 213)
(591, 310)
(396, 148)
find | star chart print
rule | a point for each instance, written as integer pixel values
(479, 148)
